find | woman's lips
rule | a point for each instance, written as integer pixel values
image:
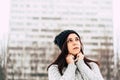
(76, 48)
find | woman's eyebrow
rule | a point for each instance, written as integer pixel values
(76, 37)
(69, 38)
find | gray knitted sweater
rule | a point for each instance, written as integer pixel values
(78, 71)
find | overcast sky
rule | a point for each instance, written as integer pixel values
(4, 16)
(116, 24)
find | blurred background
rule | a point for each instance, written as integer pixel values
(28, 28)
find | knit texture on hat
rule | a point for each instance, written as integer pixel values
(62, 37)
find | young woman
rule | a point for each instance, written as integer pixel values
(71, 64)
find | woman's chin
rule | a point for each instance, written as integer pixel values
(75, 53)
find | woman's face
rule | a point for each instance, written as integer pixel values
(73, 44)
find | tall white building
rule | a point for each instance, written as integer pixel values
(35, 23)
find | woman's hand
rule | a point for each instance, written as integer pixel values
(80, 56)
(70, 58)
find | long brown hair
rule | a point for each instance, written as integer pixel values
(61, 59)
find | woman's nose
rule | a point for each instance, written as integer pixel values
(74, 42)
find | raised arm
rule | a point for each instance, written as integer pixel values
(69, 74)
(87, 73)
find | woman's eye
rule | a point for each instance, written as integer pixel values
(77, 39)
(70, 40)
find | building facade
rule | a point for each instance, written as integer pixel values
(35, 23)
